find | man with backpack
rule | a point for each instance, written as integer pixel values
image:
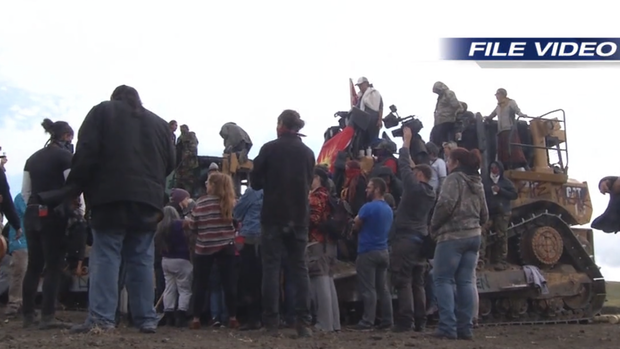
(373, 223)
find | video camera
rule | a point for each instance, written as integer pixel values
(343, 116)
(393, 120)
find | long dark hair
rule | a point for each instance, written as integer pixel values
(469, 160)
(128, 95)
(57, 130)
(163, 228)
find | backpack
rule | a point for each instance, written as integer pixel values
(339, 222)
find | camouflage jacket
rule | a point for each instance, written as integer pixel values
(461, 208)
(187, 150)
(447, 106)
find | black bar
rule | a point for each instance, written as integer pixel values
(536, 147)
(539, 118)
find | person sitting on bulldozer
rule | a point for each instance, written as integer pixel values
(236, 140)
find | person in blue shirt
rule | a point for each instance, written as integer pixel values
(18, 249)
(373, 224)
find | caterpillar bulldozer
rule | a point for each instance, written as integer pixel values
(542, 232)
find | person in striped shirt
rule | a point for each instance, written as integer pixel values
(212, 223)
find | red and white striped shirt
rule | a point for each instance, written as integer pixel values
(212, 230)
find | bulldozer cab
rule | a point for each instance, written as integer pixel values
(544, 184)
(228, 164)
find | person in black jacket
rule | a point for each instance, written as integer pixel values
(284, 170)
(123, 157)
(499, 192)
(45, 227)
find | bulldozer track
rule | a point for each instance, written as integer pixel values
(560, 313)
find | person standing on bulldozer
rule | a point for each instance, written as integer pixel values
(187, 157)
(508, 153)
(446, 111)
(370, 101)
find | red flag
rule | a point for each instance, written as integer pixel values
(331, 148)
(352, 93)
(341, 141)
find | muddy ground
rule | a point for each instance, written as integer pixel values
(12, 336)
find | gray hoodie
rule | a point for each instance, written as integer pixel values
(461, 208)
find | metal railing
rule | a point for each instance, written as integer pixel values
(563, 165)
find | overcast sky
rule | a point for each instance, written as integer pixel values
(205, 62)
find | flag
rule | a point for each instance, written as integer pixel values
(341, 141)
(352, 93)
(330, 149)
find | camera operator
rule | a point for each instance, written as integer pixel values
(411, 229)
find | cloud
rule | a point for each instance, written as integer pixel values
(210, 62)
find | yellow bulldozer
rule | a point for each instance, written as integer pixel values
(542, 232)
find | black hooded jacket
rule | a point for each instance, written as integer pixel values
(499, 203)
(284, 169)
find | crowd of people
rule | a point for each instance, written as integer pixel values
(409, 223)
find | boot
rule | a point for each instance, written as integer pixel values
(420, 325)
(251, 326)
(29, 320)
(303, 329)
(167, 319)
(181, 318)
(171, 319)
(48, 322)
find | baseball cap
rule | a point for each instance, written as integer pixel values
(362, 80)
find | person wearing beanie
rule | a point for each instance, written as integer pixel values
(213, 167)
(179, 199)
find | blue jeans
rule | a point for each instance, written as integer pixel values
(218, 307)
(137, 252)
(429, 285)
(455, 264)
